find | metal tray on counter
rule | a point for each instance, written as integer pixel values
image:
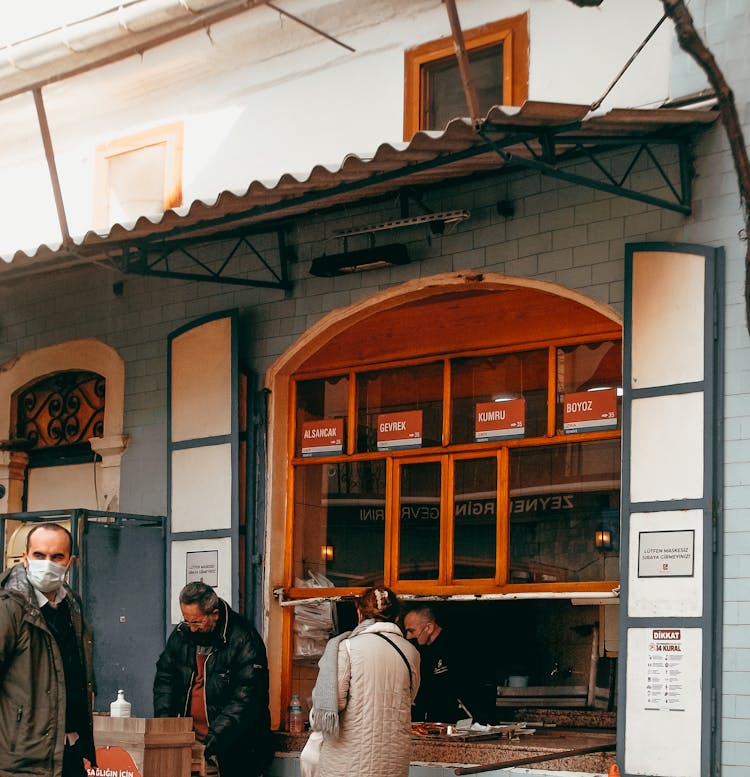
(443, 732)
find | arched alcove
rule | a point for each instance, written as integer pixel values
(88, 355)
(421, 319)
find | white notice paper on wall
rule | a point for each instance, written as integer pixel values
(181, 564)
(663, 714)
(666, 553)
(202, 566)
(673, 538)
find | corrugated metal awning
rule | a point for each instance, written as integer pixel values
(540, 135)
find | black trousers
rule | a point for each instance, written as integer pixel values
(73, 761)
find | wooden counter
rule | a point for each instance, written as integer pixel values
(158, 747)
(425, 750)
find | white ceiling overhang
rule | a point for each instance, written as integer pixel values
(78, 45)
(540, 136)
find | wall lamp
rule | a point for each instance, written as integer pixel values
(326, 552)
(329, 265)
(603, 538)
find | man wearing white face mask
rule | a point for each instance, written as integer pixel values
(46, 678)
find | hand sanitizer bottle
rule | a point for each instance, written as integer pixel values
(120, 707)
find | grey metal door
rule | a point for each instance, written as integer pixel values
(124, 595)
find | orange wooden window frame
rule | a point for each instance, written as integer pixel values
(445, 585)
(443, 529)
(446, 552)
(513, 33)
(169, 135)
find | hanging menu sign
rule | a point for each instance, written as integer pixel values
(589, 411)
(499, 420)
(399, 430)
(323, 438)
(665, 680)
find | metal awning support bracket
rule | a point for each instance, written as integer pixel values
(180, 259)
(548, 160)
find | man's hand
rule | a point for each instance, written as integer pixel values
(209, 748)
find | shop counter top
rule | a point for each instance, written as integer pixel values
(428, 750)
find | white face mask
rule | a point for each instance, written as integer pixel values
(45, 575)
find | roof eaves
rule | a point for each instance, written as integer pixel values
(429, 157)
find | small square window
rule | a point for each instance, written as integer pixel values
(138, 175)
(499, 57)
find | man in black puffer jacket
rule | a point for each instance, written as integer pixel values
(214, 669)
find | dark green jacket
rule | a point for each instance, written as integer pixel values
(32, 682)
(236, 688)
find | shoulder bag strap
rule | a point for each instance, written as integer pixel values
(400, 652)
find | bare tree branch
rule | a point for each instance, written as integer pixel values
(691, 42)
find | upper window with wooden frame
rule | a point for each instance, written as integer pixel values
(138, 175)
(496, 471)
(498, 54)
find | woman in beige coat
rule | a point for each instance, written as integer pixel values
(362, 699)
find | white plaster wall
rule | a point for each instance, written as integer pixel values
(260, 95)
(577, 53)
(27, 207)
(68, 487)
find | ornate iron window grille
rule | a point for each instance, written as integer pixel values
(63, 409)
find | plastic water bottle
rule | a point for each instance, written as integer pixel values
(120, 707)
(296, 724)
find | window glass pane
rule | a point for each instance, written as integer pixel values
(323, 398)
(445, 99)
(494, 382)
(339, 522)
(474, 518)
(419, 522)
(593, 370)
(136, 183)
(562, 499)
(400, 390)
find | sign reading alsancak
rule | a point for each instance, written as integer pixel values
(323, 438)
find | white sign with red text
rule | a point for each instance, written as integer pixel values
(663, 683)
